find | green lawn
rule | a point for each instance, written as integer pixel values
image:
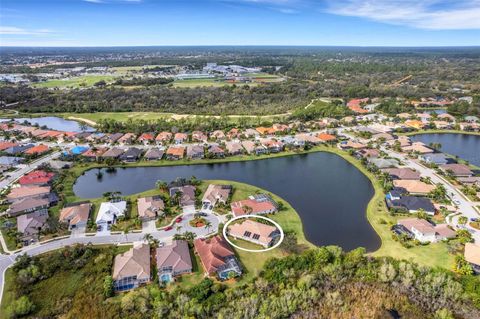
(75, 82)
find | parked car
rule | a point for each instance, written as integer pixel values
(168, 228)
(178, 220)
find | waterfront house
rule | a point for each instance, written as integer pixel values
(414, 187)
(215, 151)
(29, 225)
(154, 154)
(412, 204)
(19, 193)
(457, 170)
(260, 149)
(217, 194)
(132, 154)
(217, 257)
(326, 138)
(435, 158)
(114, 152)
(446, 117)
(163, 138)
(175, 153)
(195, 151)
(272, 145)
(149, 208)
(234, 148)
(94, 153)
(424, 231)
(472, 256)
(28, 205)
(110, 212)
(249, 146)
(382, 163)
(256, 205)
(173, 260)
(180, 138)
(417, 147)
(442, 125)
(403, 173)
(132, 268)
(369, 153)
(254, 232)
(414, 124)
(75, 215)
(308, 139)
(186, 195)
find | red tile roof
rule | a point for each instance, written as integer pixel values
(212, 252)
(5, 145)
(39, 149)
(36, 178)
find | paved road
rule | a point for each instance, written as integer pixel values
(24, 169)
(7, 261)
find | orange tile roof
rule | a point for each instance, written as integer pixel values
(212, 252)
(39, 149)
(326, 137)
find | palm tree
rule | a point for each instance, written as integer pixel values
(161, 185)
(208, 225)
(178, 228)
(148, 238)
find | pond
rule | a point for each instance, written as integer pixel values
(330, 194)
(56, 123)
(464, 146)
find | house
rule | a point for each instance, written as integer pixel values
(234, 148)
(195, 151)
(14, 150)
(75, 215)
(471, 181)
(186, 195)
(472, 119)
(217, 194)
(127, 138)
(442, 125)
(308, 139)
(249, 146)
(154, 154)
(254, 205)
(384, 136)
(149, 208)
(38, 178)
(28, 205)
(175, 153)
(424, 117)
(351, 145)
(11, 160)
(446, 117)
(217, 135)
(403, 173)
(254, 232)
(81, 137)
(146, 138)
(417, 147)
(113, 138)
(472, 256)
(424, 231)
(414, 124)
(114, 152)
(233, 133)
(404, 115)
(414, 187)
(260, 149)
(382, 163)
(95, 152)
(273, 146)
(198, 136)
(163, 137)
(412, 204)
(217, 257)
(215, 151)
(19, 193)
(369, 153)
(265, 130)
(326, 138)
(109, 212)
(6, 145)
(457, 170)
(435, 158)
(132, 268)
(173, 260)
(29, 225)
(180, 138)
(132, 154)
(249, 132)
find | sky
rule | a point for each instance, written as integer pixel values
(239, 22)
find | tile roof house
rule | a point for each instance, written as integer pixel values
(385, 136)
(146, 138)
(94, 153)
(215, 151)
(446, 116)
(154, 154)
(127, 138)
(414, 187)
(249, 146)
(149, 208)
(403, 173)
(412, 204)
(37, 177)
(255, 232)
(173, 260)
(308, 138)
(109, 212)
(132, 154)
(369, 153)
(132, 268)
(187, 194)
(233, 133)
(217, 194)
(76, 215)
(326, 138)
(280, 127)
(31, 224)
(195, 151)
(435, 158)
(250, 132)
(256, 205)
(113, 138)
(163, 137)
(265, 130)
(114, 152)
(417, 147)
(234, 148)
(37, 150)
(198, 136)
(18, 193)
(175, 152)
(272, 145)
(458, 170)
(27, 205)
(5, 145)
(180, 138)
(14, 150)
(217, 135)
(217, 257)
(472, 255)
(415, 124)
(425, 231)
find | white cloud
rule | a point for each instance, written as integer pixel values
(20, 31)
(424, 14)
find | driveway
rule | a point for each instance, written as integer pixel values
(149, 226)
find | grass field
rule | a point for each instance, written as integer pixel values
(75, 82)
